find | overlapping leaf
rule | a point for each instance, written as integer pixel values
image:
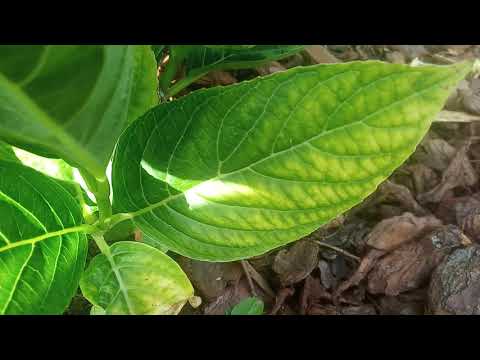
(200, 60)
(42, 251)
(135, 279)
(232, 172)
(73, 102)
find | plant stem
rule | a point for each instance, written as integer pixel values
(101, 243)
(100, 187)
(339, 250)
(177, 55)
(103, 199)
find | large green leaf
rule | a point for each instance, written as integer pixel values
(42, 252)
(201, 59)
(233, 172)
(135, 279)
(73, 102)
(7, 153)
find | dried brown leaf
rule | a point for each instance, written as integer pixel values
(471, 97)
(424, 178)
(403, 195)
(320, 55)
(437, 154)
(211, 279)
(230, 297)
(391, 233)
(409, 266)
(459, 173)
(296, 263)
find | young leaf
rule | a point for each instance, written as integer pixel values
(136, 279)
(73, 102)
(248, 306)
(200, 60)
(42, 248)
(232, 172)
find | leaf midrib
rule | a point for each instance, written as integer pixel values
(362, 120)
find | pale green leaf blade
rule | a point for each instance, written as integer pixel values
(73, 102)
(58, 170)
(233, 172)
(97, 310)
(136, 279)
(42, 251)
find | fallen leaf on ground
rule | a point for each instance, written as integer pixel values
(391, 233)
(296, 263)
(211, 279)
(459, 173)
(282, 295)
(365, 309)
(217, 77)
(410, 51)
(396, 57)
(231, 296)
(411, 303)
(385, 237)
(312, 293)
(326, 277)
(409, 266)
(320, 55)
(471, 97)
(435, 153)
(424, 178)
(403, 195)
(270, 68)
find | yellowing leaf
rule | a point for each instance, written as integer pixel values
(233, 172)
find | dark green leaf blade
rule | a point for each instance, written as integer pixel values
(233, 172)
(42, 251)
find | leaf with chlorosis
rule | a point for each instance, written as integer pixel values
(232, 172)
(133, 278)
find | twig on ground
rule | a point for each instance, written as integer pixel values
(337, 249)
(249, 278)
(259, 279)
